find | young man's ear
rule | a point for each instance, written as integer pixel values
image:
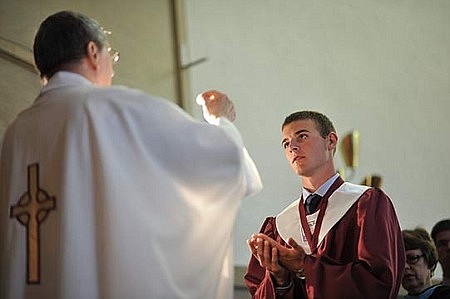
(333, 140)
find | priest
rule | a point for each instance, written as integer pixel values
(108, 192)
(338, 240)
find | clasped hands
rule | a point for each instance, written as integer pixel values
(276, 258)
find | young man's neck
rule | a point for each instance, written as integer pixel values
(312, 183)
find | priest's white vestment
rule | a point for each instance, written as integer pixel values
(112, 193)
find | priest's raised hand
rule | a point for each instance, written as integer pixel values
(216, 104)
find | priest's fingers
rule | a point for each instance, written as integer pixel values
(217, 104)
(208, 96)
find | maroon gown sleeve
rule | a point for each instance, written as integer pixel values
(362, 256)
(258, 279)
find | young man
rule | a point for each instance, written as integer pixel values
(441, 237)
(107, 192)
(344, 243)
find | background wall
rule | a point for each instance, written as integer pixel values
(382, 67)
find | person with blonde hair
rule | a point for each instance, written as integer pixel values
(421, 261)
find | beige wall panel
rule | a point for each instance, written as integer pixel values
(18, 88)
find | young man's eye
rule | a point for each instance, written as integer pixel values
(302, 136)
(285, 145)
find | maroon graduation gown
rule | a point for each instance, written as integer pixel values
(362, 256)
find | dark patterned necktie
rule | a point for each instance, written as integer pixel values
(312, 202)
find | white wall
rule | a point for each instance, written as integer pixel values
(382, 67)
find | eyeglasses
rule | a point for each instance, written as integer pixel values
(413, 259)
(115, 55)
